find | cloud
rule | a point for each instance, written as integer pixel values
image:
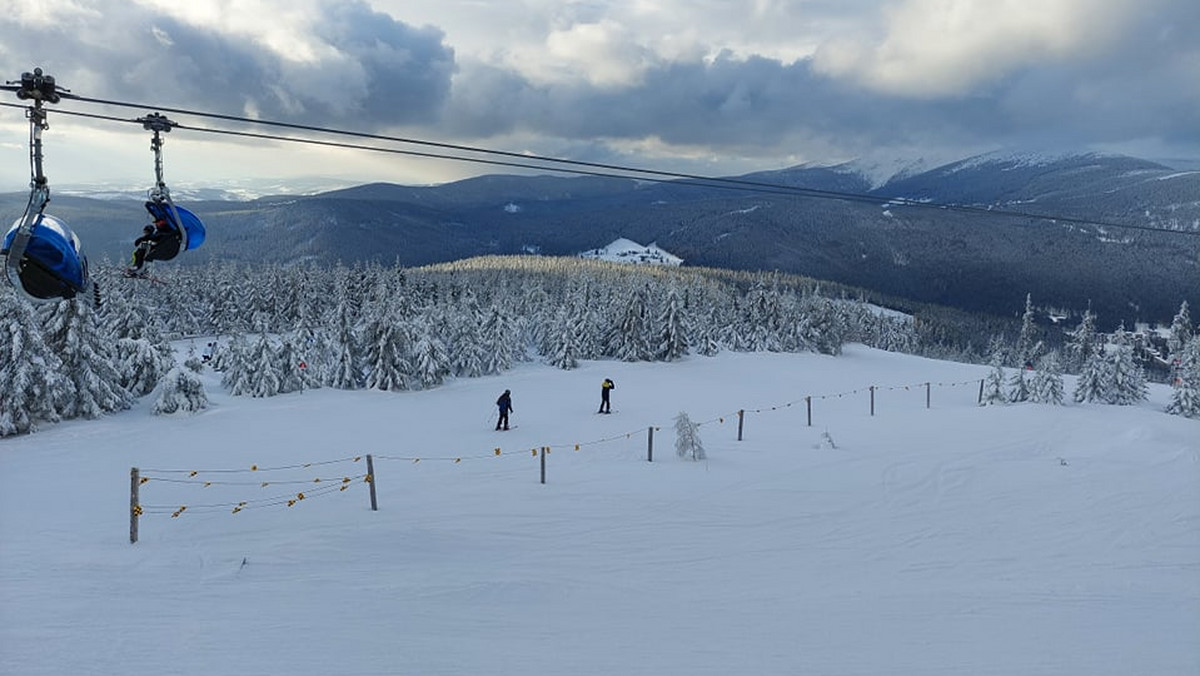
(947, 47)
(349, 65)
(1059, 75)
(722, 82)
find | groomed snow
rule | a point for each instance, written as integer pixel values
(957, 539)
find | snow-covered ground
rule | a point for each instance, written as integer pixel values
(954, 539)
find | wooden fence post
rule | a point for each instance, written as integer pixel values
(545, 452)
(650, 444)
(741, 419)
(135, 507)
(808, 401)
(926, 395)
(371, 482)
(980, 400)
(872, 400)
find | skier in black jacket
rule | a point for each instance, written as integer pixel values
(606, 387)
(506, 407)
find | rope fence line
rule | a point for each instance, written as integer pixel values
(289, 500)
(330, 485)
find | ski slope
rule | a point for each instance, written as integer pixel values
(954, 539)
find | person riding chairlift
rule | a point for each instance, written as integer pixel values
(158, 242)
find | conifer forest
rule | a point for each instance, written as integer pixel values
(271, 330)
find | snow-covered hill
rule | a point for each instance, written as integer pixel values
(925, 538)
(624, 250)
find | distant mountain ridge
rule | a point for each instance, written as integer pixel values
(842, 223)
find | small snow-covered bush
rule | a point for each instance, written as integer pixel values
(180, 390)
(687, 438)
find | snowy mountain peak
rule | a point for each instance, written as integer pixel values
(624, 250)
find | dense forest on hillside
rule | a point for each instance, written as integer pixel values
(283, 329)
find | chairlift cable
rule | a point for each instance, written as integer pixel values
(674, 178)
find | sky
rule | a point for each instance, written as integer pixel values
(711, 87)
(954, 539)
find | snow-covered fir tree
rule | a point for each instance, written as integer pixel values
(1019, 387)
(562, 340)
(1180, 334)
(262, 362)
(29, 370)
(821, 325)
(1047, 385)
(181, 391)
(237, 371)
(431, 361)
(140, 364)
(761, 319)
(1025, 353)
(670, 332)
(1094, 380)
(291, 366)
(628, 340)
(344, 371)
(465, 343)
(88, 362)
(500, 336)
(1126, 379)
(387, 351)
(687, 438)
(993, 385)
(1083, 342)
(1185, 393)
(705, 336)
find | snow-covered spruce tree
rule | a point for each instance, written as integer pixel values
(313, 347)
(88, 362)
(1180, 334)
(387, 352)
(1047, 386)
(687, 438)
(1025, 353)
(344, 371)
(822, 325)
(1185, 396)
(1127, 380)
(762, 312)
(288, 360)
(267, 375)
(465, 337)
(627, 340)
(704, 336)
(1019, 386)
(237, 370)
(670, 339)
(180, 391)
(993, 385)
(562, 341)
(1083, 342)
(499, 336)
(1094, 380)
(431, 362)
(140, 364)
(29, 371)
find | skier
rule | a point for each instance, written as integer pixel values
(506, 407)
(605, 387)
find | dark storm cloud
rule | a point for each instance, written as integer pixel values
(369, 70)
(405, 69)
(1145, 86)
(755, 102)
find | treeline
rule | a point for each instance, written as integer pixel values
(284, 329)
